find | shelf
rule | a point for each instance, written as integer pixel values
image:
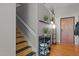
(44, 21)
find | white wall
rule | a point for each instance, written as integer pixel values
(42, 11)
(28, 13)
(7, 29)
(64, 10)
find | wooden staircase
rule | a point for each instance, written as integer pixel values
(22, 47)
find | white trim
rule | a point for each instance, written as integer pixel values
(31, 31)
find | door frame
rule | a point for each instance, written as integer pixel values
(73, 28)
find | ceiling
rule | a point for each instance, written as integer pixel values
(63, 9)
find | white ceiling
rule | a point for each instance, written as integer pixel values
(62, 9)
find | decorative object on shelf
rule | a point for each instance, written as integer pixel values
(45, 31)
(52, 11)
(45, 18)
(54, 26)
(44, 45)
(52, 22)
(52, 19)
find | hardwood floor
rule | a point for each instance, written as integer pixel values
(64, 50)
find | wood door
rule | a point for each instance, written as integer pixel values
(67, 30)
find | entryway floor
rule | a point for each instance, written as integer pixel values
(64, 50)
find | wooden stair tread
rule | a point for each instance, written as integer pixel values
(21, 42)
(21, 45)
(18, 35)
(20, 39)
(18, 32)
(24, 51)
(31, 54)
